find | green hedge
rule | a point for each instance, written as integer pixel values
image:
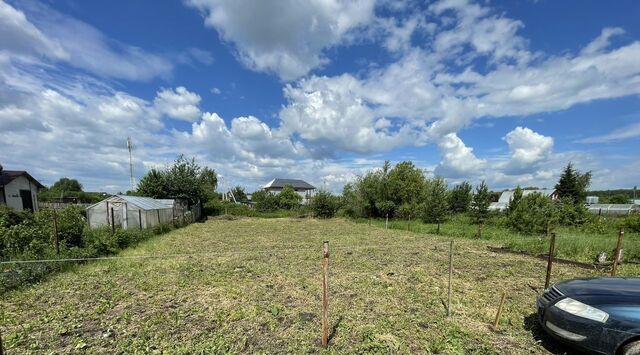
(30, 236)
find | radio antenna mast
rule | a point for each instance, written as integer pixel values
(130, 148)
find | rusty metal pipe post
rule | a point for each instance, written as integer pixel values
(552, 251)
(325, 294)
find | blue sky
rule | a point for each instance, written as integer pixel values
(322, 90)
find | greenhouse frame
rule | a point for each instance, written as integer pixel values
(612, 209)
(126, 212)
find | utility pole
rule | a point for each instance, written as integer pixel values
(130, 148)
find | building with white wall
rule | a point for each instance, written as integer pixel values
(19, 190)
(301, 187)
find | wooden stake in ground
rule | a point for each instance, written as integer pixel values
(552, 251)
(56, 238)
(325, 293)
(450, 277)
(616, 255)
(499, 313)
(386, 222)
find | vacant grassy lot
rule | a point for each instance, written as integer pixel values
(254, 285)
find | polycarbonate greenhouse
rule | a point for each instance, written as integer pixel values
(129, 212)
(612, 209)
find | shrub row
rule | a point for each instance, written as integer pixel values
(30, 236)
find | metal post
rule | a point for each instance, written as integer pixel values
(495, 323)
(113, 223)
(140, 218)
(55, 231)
(450, 277)
(552, 251)
(616, 255)
(325, 293)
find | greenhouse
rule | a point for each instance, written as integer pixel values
(612, 209)
(126, 212)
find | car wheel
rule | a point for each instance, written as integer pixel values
(632, 348)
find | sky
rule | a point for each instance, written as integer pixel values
(321, 90)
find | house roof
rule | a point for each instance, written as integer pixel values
(297, 184)
(505, 197)
(6, 176)
(144, 203)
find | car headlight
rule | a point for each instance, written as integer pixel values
(580, 309)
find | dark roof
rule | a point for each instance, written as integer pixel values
(6, 176)
(297, 184)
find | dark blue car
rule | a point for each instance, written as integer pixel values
(599, 315)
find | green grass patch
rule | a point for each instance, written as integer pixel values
(582, 243)
(254, 286)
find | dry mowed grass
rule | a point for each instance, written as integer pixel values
(254, 286)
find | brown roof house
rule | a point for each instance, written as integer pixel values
(19, 190)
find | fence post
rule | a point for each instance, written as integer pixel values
(56, 238)
(450, 277)
(497, 321)
(159, 222)
(616, 255)
(325, 293)
(552, 250)
(113, 223)
(140, 218)
(386, 223)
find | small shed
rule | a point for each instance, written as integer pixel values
(19, 190)
(129, 212)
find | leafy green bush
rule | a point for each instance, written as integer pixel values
(324, 204)
(265, 201)
(632, 222)
(288, 198)
(534, 215)
(9, 217)
(572, 214)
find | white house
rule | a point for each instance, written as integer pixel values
(507, 195)
(19, 190)
(303, 188)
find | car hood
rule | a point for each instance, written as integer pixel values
(604, 290)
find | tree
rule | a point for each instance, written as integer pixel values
(386, 208)
(265, 201)
(515, 199)
(480, 203)
(152, 184)
(324, 204)
(534, 214)
(573, 184)
(618, 198)
(460, 197)
(288, 198)
(184, 179)
(435, 201)
(67, 185)
(239, 194)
